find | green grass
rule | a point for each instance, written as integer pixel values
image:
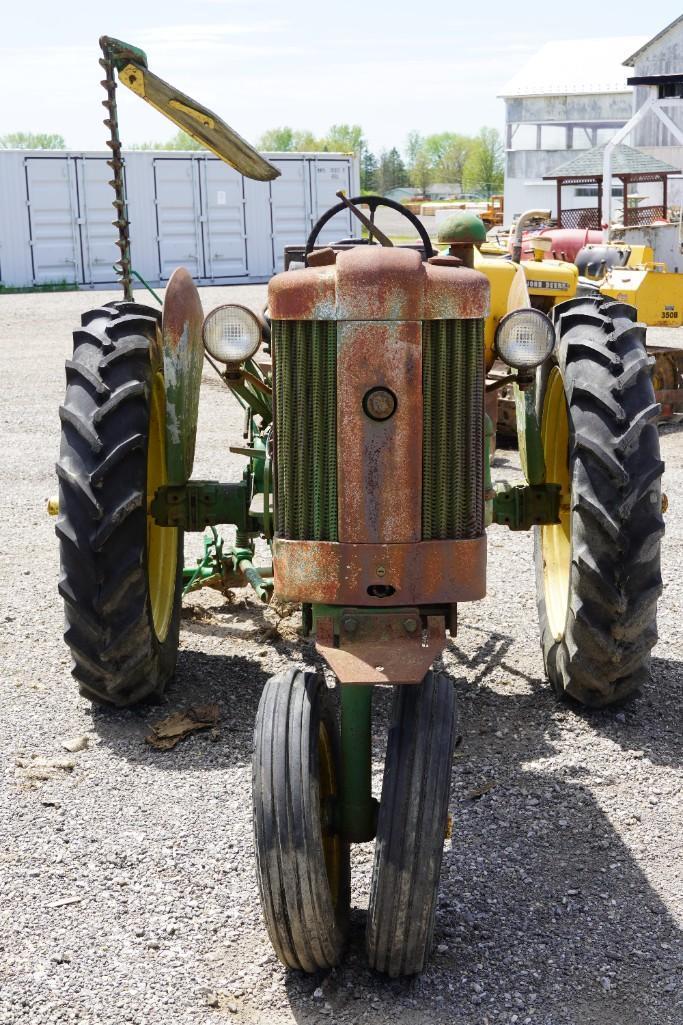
(50, 286)
(403, 239)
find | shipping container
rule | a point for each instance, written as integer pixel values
(185, 209)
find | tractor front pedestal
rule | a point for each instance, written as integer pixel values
(356, 816)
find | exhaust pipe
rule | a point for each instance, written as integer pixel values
(522, 221)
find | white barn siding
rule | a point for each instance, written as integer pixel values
(571, 95)
(663, 55)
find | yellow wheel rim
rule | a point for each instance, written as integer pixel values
(332, 844)
(162, 542)
(556, 539)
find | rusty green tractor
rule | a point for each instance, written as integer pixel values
(367, 470)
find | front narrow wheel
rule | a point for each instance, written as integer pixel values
(302, 861)
(413, 818)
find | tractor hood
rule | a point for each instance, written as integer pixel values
(377, 283)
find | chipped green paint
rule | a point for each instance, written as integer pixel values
(529, 435)
(182, 356)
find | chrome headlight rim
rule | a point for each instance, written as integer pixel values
(249, 318)
(529, 313)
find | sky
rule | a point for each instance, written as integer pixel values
(390, 67)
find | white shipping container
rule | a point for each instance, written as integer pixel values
(185, 209)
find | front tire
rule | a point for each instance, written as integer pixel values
(412, 825)
(121, 574)
(302, 861)
(598, 571)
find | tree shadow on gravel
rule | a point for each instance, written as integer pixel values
(544, 911)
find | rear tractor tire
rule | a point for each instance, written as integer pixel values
(121, 574)
(598, 571)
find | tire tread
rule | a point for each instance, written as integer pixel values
(604, 654)
(117, 658)
(411, 826)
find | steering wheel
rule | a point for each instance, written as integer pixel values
(372, 202)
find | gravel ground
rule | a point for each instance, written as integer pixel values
(127, 890)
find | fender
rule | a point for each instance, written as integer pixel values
(182, 357)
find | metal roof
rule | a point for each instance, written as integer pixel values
(575, 66)
(625, 160)
(630, 61)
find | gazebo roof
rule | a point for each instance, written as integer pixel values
(589, 163)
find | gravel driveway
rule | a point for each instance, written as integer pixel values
(127, 888)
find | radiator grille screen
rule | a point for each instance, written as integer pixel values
(305, 359)
(453, 434)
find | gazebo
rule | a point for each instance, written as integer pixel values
(628, 166)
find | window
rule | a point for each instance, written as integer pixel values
(582, 138)
(522, 136)
(603, 135)
(670, 89)
(592, 190)
(553, 137)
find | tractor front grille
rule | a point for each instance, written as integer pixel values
(305, 358)
(453, 429)
(305, 457)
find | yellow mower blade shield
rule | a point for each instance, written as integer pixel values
(202, 124)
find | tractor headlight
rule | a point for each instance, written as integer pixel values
(231, 333)
(524, 339)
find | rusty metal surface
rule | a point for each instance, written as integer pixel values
(670, 396)
(382, 648)
(121, 223)
(183, 352)
(322, 257)
(379, 461)
(422, 573)
(455, 293)
(667, 379)
(380, 284)
(303, 294)
(374, 283)
(445, 260)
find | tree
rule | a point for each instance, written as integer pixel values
(484, 170)
(338, 139)
(455, 153)
(277, 140)
(181, 140)
(439, 157)
(368, 171)
(413, 146)
(419, 167)
(345, 139)
(32, 140)
(392, 171)
(421, 173)
(306, 142)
